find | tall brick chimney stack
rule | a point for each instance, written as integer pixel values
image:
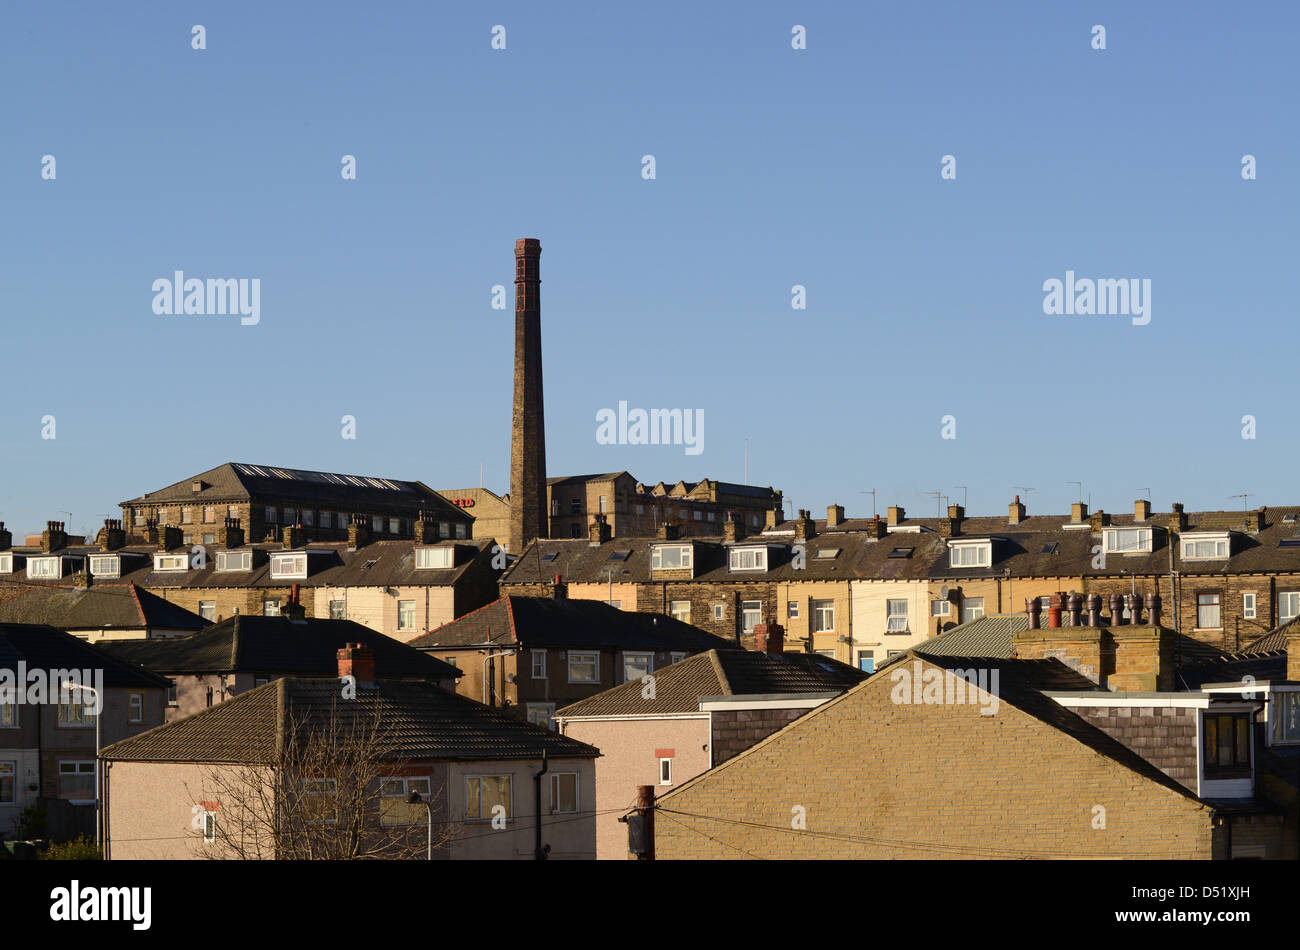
(528, 430)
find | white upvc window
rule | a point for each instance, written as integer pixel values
(406, 615)
(1126, 540)
(1205, 546)
(208, 609)
(970, 555)
(564, 793)
(1288, 604)
(77, 780)
(1286, 716)
(234, 560)
(289, 566)
(1248, 606)
(539, 664)
(748, 559)
(670, 557)
(170, 562)
(823, 614)
(45, 567)
(542, 714)
(270, 608)
(209, 826)
(680, 610)
(105, 565)
(895, 615)
(751, 615)
(972, 608)
(135, 707)
(637, 665)
(665, 771)
(719, 611)
(394, 807)
(6, 563)
(940, 608)
(434, 558)
(676, 656)
(584, 666)
(487, 796)
(320, 800)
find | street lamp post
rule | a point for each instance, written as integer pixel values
(99, 801)
(415, 798)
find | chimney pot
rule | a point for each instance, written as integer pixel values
(1034, 608)
(1153, 607)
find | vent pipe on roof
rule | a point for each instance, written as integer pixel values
(1094, 610)
(1116, 610)
(1035, 609)
(1076, 609)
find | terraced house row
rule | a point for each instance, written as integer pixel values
(863, 590)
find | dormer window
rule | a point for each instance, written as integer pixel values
(671, 557)
(170, 562)
(105, 565)
(234, 560)
(748, 559)
(1206, 546)
(289, 566)
(45, 567)
(442, 556)
(1227, 745)
(1127, 540)
(970, 553)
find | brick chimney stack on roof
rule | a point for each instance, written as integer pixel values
(1015, 512)
(53, 538)
(528, 519)
(599, 531)
(896, 515)
(356, 659)
(769, 638)
(112, 537)
(834, 516)
(6, 538)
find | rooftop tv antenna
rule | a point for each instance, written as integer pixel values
(1080, 484)
(938, 500)
(872, 493)
(963, 494)
(1148, 491)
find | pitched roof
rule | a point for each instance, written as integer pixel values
(121, 606)
(546, 621)
(988, 636)
(49, 648)
(418, 722)
(378, 564)
(678, 688)
(247, 643)
(1275, 639)
(240, 481)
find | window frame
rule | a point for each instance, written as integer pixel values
(1218, 607)
(1236, 769)
(665, 771)
(819, 609)
(685, 553)
(224, 558)
(646, 655)
(77, 772)
(746, 610)
(583, 656)
(539, 670)
(419, 811)
(555, 793)
(1146, 540)
(135, 707)
(445, 552)
(299, 570)
(478, 804)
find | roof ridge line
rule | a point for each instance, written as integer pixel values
(722, 674)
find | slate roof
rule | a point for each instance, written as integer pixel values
(121, 606)
(678, 688)
(570, 624)
(1233, 668)
(240, 481)
(277, 646)
(1039, 546)
(48, 648)
(329, 564)
(419, 722)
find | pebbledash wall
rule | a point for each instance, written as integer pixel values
(875, 779)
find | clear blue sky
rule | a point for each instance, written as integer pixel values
(775, 167)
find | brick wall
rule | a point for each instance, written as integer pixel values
(874, 779)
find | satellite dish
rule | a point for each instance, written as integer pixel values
(943, 592)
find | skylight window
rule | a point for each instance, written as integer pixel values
(1049, 548)
(901, 552)
(550, 555)
(826, 554)
(619, 555)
